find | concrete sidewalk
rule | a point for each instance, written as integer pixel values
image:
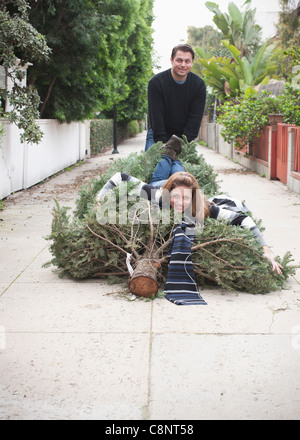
(71, 350)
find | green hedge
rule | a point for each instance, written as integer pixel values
(102, 133)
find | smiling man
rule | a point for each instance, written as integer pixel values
(176, 99)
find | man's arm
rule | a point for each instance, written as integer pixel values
(156, 112)
(196, 112)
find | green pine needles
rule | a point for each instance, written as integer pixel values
(223, 255)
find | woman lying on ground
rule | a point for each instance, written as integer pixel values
(181, 190)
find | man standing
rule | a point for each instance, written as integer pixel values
(176, 99)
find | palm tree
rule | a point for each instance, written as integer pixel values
(237, 75)
(247, 64)
(239, 28)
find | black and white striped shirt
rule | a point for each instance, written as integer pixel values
(222, 207)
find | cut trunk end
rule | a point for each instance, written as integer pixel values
(143, 281)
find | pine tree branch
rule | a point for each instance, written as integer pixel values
(47, 96)
(122, 236)
(199, 272)
(223, 261)
(219, 240)
(76, 252)
(106, 239)
(112, 274)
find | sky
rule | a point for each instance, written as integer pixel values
(172, 18)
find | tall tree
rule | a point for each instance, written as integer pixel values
(91, 43)
(238, 27)
(67, 82)
(289, 22)
(247, 64)
(209, 40)
(237, 75)
(20, 43)
(287, 39)
(137, 51)
(205, 37)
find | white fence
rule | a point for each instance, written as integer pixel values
(24, 165)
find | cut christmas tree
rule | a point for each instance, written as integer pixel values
(133, 245)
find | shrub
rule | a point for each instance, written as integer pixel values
(290, 104)
(101, 135)
(133, 128)
(243, 119)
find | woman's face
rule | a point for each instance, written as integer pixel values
(181, 198)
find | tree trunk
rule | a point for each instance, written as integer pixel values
(47, 96)
(143, 281)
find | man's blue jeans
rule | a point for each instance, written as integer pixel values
(164, 169)
(149, 139)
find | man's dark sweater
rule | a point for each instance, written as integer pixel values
(175, 108)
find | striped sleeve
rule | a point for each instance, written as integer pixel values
(116, 180)
(237, 219)
(152, 193)
(142, 189)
